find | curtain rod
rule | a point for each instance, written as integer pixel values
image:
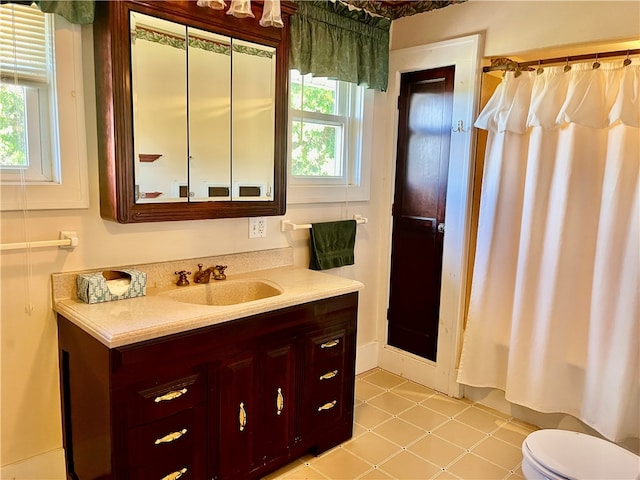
(508, 64)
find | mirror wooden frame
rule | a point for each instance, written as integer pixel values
(112, 56)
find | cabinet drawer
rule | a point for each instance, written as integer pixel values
(169, 445)
(326, 410)
(326, 345)
(181, 470)
(327, 372)
(145, 403)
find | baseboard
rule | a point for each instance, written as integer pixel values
(366, 357)
(408, 366)
(46, 466)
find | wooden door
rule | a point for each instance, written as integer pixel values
(424, 133)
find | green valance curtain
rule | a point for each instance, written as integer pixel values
(74, 11)
(330, 40)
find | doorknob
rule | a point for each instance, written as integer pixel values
(441, 227)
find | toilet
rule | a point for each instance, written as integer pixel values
(564, 455)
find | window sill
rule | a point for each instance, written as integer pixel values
(297, 194)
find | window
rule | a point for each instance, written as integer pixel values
(326, 131)
(42, 137)
(27, 88)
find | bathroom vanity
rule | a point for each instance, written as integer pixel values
(220, 392)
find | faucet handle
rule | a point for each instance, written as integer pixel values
(218, 272)
(182, 280)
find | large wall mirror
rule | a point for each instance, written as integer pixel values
(191, 110)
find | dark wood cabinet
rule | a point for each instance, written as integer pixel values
(118, 154)
(257, 406)
(230, 401)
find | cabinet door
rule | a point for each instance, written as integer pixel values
(277, 399)
(257, 399)
(237, 415)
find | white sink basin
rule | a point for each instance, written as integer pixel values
(225, 292)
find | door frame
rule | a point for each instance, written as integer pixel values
(465, 54)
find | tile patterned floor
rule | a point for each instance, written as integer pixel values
(407, 431)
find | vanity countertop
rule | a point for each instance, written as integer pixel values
(125, 322)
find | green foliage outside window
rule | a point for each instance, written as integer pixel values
(12, 126)
(313, 144)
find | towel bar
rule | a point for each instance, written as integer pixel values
(68, 240)
(288, 226)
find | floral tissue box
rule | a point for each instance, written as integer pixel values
(111, 285)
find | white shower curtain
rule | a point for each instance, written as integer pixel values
(554, 310)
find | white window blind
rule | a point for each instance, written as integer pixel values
(24, 51)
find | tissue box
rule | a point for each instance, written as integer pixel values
(111, 285)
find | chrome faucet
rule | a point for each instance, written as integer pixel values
(204, 276)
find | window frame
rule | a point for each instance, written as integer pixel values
(354, 184)
(71, 190)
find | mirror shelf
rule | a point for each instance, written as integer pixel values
(141, 178)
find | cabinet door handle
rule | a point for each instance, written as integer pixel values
(170, 437)
(329, 375)
(327, 406)
(279, 402)
(175, 475)
(330, 344)
(242, 417)
(170, 395)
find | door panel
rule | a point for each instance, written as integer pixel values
(424, 135)
(277, 399)
(238, 418)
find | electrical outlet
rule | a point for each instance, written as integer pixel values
(257, 227)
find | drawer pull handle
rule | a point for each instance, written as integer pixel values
(170, 395)
(175, 475)
(242, 417)
(330, 344)
(329, 375)
(279, 402)
(171, 437)
(327, 406)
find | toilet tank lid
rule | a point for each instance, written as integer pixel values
(576, 455)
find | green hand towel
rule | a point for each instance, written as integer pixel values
(331, 244)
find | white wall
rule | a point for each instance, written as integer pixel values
(30, 407)
(517, 26)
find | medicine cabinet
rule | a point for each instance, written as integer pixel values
(191, 107)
